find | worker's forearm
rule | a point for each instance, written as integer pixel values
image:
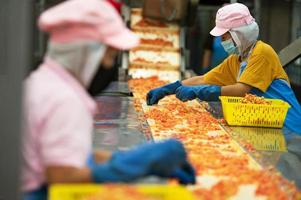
(102, 156)
(237, 90)
(66, 174)
(197, 80)
(59, 174)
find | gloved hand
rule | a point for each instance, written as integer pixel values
(203, 92)
(155, 95)
(165, 159)
(185, 174)
(37, 194)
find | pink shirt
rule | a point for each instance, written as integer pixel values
(58, 123)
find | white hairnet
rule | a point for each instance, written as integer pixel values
(81, 58)
(245, 38)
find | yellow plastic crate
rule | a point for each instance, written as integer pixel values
(248, 114)
(118, 192)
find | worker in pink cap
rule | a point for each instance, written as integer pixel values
(59, 112)
(252, 67)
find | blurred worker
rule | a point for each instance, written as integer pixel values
(116, 4)
(104, 76)
(252, 67)
(59, 111)
(214, 53)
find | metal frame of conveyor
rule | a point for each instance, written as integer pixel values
(184, 61)
(290, 52)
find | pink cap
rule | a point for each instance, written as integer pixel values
(231, 16)
(87, 20)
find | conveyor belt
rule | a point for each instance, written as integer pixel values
(276, 148)
(117, 125)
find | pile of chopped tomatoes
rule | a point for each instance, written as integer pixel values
(211, 150)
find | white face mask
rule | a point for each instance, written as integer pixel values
(81, 58)
(229, 47)
(96, 53)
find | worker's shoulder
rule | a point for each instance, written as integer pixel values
(231, 60)
(41, 86)
(264, 49)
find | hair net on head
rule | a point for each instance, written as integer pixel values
(90, 20)
(231, 16)
(79, 32)
(81, 58)
(245, 37)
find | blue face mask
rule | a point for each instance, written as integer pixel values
(229, 47)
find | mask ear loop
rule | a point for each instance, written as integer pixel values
(236, 40)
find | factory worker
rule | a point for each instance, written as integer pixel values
(59, 112)
(252, 67)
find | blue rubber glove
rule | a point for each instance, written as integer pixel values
(38, 194)
(155, 95)
(185, 174)
(165, 159)
(203, 92)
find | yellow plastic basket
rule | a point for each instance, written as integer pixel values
(118, 192)
(260, 115)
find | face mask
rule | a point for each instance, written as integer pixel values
(102, 79)
(229, 47)
(95, 52)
